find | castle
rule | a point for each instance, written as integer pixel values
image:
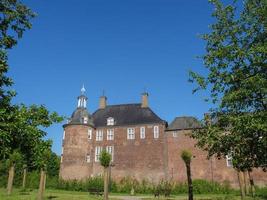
(142, 145)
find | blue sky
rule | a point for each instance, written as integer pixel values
(121, 47)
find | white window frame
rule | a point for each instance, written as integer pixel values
(229, 162)
(110, 134)
(61, 158)
(142, 132)
(110, 121)
(85, 120)
(90, 133)
(99, 135)
(64, 135)
(88, 158)
(156, 132)
(110, 150)
(130, 133)
(98, 150)
(175, 134)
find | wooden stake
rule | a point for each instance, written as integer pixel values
(241, 184)
(24, 177)
(11, 173)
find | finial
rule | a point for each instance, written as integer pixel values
(83, 89)
(145, 91)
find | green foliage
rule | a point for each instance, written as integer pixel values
(105, 158)
(15, 19)
(235, 58)
(186, 156)
(74, 185)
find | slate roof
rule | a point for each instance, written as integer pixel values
(79, 114)
(125, 114)
(180, 123)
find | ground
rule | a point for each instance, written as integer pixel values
(17, 194)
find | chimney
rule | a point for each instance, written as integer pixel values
(144, 100)
(102, 102)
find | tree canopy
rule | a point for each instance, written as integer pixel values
(235, 58)
(21, 126)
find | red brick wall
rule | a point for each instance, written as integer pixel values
(138, 158)
(75, 149)
(202, 168)
(149, 158)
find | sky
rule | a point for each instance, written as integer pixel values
(121, 46)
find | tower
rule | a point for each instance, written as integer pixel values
(77, 142)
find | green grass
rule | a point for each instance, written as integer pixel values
(18, 194)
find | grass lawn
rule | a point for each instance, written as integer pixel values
(17, 194)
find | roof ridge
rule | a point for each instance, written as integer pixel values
(126, 104)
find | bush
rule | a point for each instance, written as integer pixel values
(261, 192)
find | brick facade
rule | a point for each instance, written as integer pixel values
(148, 158)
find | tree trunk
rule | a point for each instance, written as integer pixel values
(11, 173)
(241, 184)
(189, 180)
(44, 181)
(105, 183)
(41, 185)
(251, 181)
(24, 178)
(246, 182)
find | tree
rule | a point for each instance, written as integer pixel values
(187, 156)
(42, 157)
(15, 19)
(21, 127)
(105, 159)
(236, 81)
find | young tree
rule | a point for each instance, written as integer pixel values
(187, 157)
(42, 157)
(236, 80)
(105, 159)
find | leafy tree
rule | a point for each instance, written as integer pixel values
(105, 159)
(187, 157)
(15, 19)
(235, 60)
(21, 127)
(53, 165)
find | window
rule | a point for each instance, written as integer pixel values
(63, 135)
(61, 158)
(110, 134)
(62, 150)
(88, 159)
(175, 134)
(142, 132)
(85, 120)
(99, 135)
(110, 150)
(156, 132)
(110, 121)
(97, 153)
(130, 134)
(89, 134)
(229, 162)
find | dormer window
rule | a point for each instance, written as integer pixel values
(110, 121)
(85, 120)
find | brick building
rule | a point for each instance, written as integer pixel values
(142, 145)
